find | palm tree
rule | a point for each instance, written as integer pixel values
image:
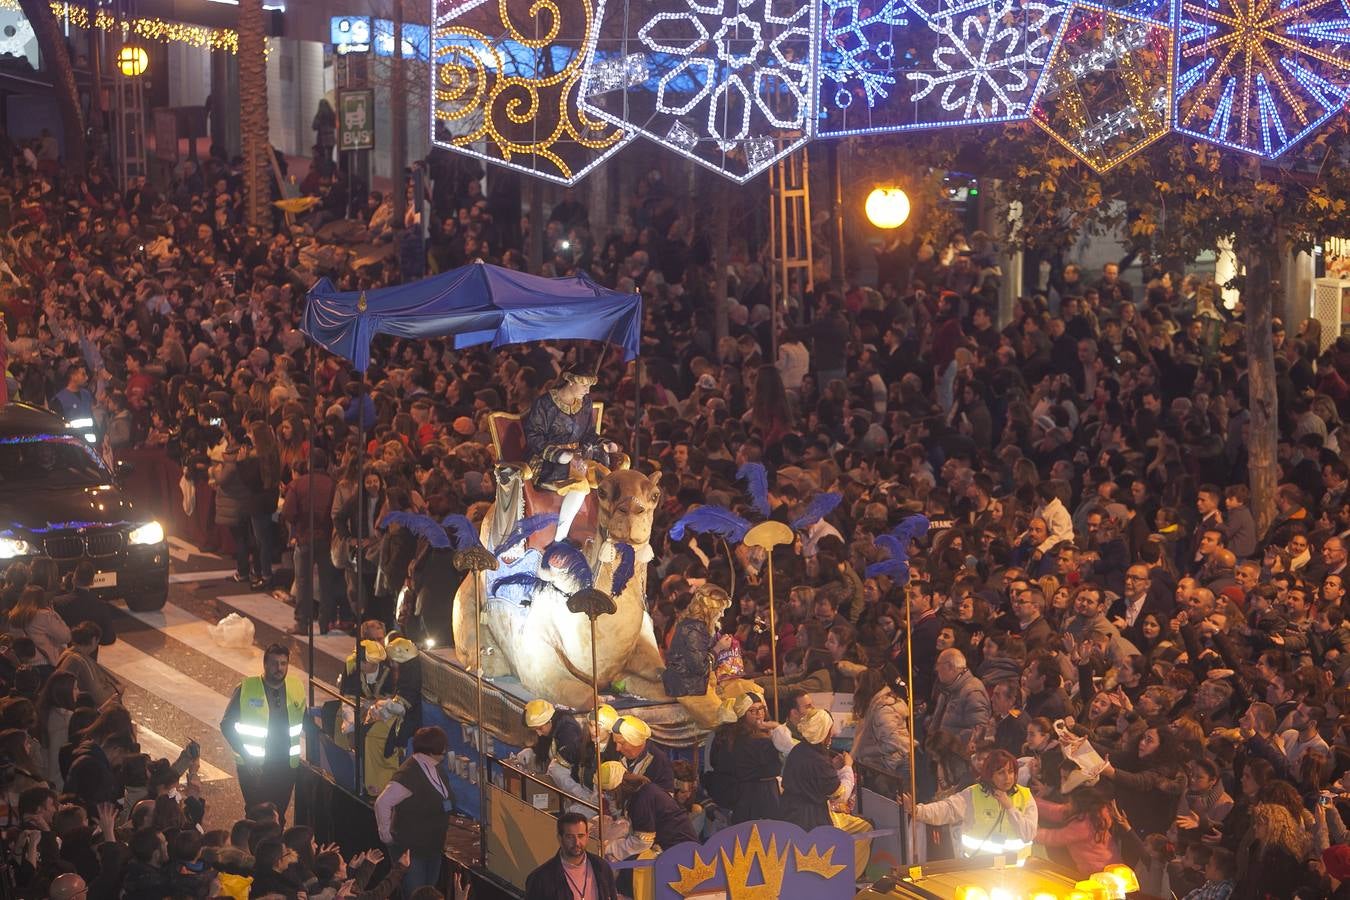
(253, 114)
(56, 57)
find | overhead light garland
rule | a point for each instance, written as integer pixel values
(509, 96)
(148, 28)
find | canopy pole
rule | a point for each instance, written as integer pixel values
(360, 578)
(637, 408)
(313, 563)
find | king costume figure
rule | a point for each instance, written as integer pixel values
(567, 455)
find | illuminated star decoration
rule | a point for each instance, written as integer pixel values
(965, 64)
(726, 83)
(504, 87)
(1260, 75)
(1107, 88)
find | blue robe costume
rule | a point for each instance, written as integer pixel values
(550, 432)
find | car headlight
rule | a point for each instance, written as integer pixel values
(149, 533)
(11, 547)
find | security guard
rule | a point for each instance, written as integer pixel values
(994, 817)
(264, 722)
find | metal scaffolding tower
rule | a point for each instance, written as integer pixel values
(790, 232)
(129, 122)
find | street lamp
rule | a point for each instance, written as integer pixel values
(887, 207)
(132, 61)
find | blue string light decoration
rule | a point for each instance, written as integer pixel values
(1260, 75)
(1108, 88)
(726, 83)
(931, 64)
(504, 87)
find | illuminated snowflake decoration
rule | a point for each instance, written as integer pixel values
(1108, 87)
(1260, 75)
(988, 62)
(726, 83)
(504, 86)
(977, 65)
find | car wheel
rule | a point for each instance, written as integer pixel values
(151, 602)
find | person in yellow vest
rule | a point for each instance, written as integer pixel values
(264, 723)
(994, 817)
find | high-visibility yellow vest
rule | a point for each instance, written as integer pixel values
(990, 830)
(255, 717)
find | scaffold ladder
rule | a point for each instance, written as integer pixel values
(128, 106)
(790, 230)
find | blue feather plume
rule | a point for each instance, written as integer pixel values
(524, 528)
(756, 485)
(711, 520)
(821, 505)
(528, 579)
(896, 544)
(563, 557)
(425, 527)
(623, 573)
(466, 536)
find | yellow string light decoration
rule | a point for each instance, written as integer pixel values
(481, 108)
(1108, 87)
(150, 29)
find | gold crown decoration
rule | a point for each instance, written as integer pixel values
(693, 876)
(738, 866)
(812, 862)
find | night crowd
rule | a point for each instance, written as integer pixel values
(1103, 641)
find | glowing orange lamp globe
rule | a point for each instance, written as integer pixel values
(132, 61)
(887, 207)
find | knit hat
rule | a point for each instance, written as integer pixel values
(538, 713)
(815, 728)
(633, 730)
(463, 426)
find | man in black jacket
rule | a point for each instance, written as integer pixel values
(93, 776)
(83, 605)
(573, 872)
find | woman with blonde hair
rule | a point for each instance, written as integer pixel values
(1274, 862)
(691, 657)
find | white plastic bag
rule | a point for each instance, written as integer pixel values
(232, 631)
(189, 492)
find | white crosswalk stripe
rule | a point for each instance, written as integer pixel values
(160, 747)
(264, 608)
(165, 682)
(191, 577)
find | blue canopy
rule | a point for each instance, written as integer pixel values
(474, 304)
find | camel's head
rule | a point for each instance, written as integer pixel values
(628, 502)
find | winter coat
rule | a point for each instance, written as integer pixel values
(809, 780)
(1148, 797)
(883, 737)
(1089, 851)
(234, 493)
(688, 660)
(49, 633)
(961, 707)
(91, 777)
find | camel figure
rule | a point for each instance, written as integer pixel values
(546, 646)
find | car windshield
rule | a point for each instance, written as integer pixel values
(50, 460)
